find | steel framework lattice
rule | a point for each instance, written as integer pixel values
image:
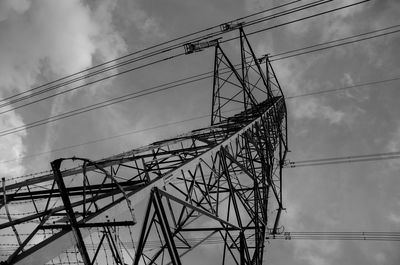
(220, 184)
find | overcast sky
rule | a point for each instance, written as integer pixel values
(41, 41)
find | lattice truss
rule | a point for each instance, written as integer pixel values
(219, 186)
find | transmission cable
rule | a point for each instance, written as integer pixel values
(374, 236)
(335, 41)
(95, 106)
(343, 88)
(336, 45)
(343, 159)
(107, 77)
(300, 19)
(289, 97)
(131, 61)
(181, 82)
(149, 91)
(272, 60)
(289, 164)
(109, 138)
(217, 240)
(371, 236)
(90, 83)
(128, 61)
(143, 50)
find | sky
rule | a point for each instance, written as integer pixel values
(43, 40)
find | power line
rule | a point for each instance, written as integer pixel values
(104, 139)
(76, 112)
(89, 83)
(334, 41)
(300, 19)
(145, 56)
(375, 236)
(343, 88)
(306, 6)
(370, 236)
(281, 58)
(337, 45)
(148, 91)
(99, 105)
(324, 161)
(290, 97)
(344, 159)
(199, 117)
(110, 137)
(133, 95)
(143, 50)
(217, 240)
(288, 12)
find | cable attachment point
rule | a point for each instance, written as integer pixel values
(263, 58)
(199, 46)
(225, 27)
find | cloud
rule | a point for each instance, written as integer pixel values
(314, 109)
(148, 26)
(61, 37)
(329, 26)
(137, 22)
(293, 78)
(380, 258)
(393, 145)
(357, 94)
(256, 5)
(9, 7)
(395, 218)
(12, 145)
(381, 14)
(43, 40)
(336, 24)
(310, 251)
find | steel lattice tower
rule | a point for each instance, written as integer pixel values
(219, 184)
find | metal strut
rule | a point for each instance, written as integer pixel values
(55, 165)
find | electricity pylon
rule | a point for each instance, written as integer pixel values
(219, 184)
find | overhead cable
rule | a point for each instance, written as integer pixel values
(343, 159)
(306, 6)
(78, 77)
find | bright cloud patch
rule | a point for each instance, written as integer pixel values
(51, 39)
(11, 145)
(61, 36)
(395, 218)
(394, 143)
(314, 109)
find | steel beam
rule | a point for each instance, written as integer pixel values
(55, 165)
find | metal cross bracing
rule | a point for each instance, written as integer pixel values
(223, 180)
